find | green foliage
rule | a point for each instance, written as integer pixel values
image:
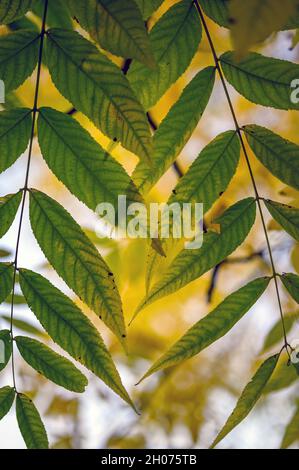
(18, 57)
(278, 155)
(96, 86)
(262, 80)
(30, 423)
(7, 396)
(5, 339)
(176, 129)
(250, 395)
(70, 329)
(115, 95)
(117, 26)
(189, 265)
(79, 161)
(212, 327)
(174, 40)
(291, 283)
(11, 10)
(286, 216)
(8, 209)
(50, 364)
(15, 127)
(6, 277)
(147, 7)
(76, 260)
(291, 432)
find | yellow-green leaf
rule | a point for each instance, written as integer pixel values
(30, 423)
(250, 395)
(116, 25)
(213, 326)
(286, 216)
(76, 260)
(97, 88)
(70, 329)
(50, 364)
(174, 40)
(291, 433)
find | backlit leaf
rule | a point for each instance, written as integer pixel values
(24, 326)
(58, 14)
(174, 40)
(11, 10)
(176, 129)
(7, 396)
(147, 7)
(291, 433)
(278, 155)
(6, 277)
(276, 333)
(116, 25)
(50, 364)
(286, 216)
(81, 163)
(213, 326)
(262, 80)
(97, 87)
(291, 283)
(18, 57)
(217, 10)
(250, 395)
(15, 127)
(284, 376)
(8, 208)
(190, 264)
(70, 329)
(30, 423)
(5, 348)
(76, 259)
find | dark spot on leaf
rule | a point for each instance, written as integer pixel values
(123, 336)
(110, 274)
(174, 191)
(232, 20)
(221, 192)
(114, 139)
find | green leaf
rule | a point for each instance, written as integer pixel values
(284, 376)
(97, 88)
(8, 208)
(213, 326)
(253, 21)
(291, 283)
(147, 7)
(11, 10)
(81, 163)
(190, 264)
(291, 434)
(15, 128)
(70, 329)
(276, 333)
(262, 80)
(58, 14)
(211, 172)
(217, 10)
(116, 25)
(278, 155)
(18, 57)
(50, 364)
(76, 260)
(30, 424)
(24, 326)
(174, 40)
(6, 277)
(5, 348)
(286, 216)
(250, 395)
(7, 396)
(176, 129)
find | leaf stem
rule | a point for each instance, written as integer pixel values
(25, 188)
(239, 132)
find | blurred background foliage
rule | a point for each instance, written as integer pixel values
(187, 405)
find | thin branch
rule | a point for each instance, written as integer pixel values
(25, 188)
(238, 129)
